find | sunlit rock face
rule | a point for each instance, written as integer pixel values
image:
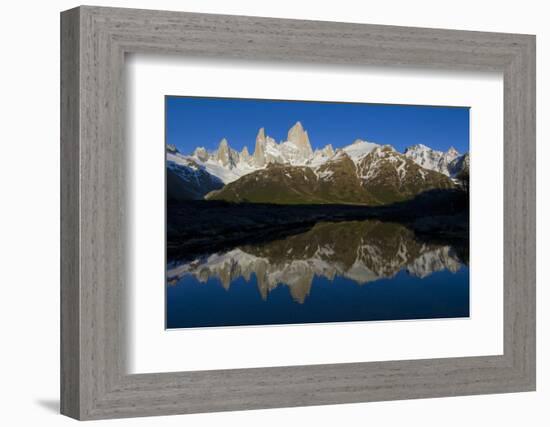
(226, 156)
(362, 251)
(298, 136)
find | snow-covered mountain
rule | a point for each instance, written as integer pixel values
(359, 149)
(186, 179)
(460, 167)
(382, 176)
(229, 165)
(304, 171)
(320, 156)
(389, 176)
(225, 163)
(435, 160)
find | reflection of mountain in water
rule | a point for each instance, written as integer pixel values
(363, 251)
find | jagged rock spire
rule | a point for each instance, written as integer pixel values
(245, 157)
(300, 138)
(226, 155)
(328, 150)
(259, 149)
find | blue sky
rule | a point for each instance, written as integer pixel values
(193, 122)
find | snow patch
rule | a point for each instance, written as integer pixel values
(359, 149)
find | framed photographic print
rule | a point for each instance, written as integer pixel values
(293, 231)
(262, 213)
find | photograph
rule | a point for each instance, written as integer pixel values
(296, 212)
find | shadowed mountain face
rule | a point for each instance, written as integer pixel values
(187, 180)
(361, 251)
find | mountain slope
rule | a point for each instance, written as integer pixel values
(460, 167)
(434, 160)
(338, 181)
(389, 176)
(383, 176)
(282, 184)
(335, 181)
(359, 149)
(187, 180)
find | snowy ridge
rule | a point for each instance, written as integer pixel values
(228, 165)
(380, 155)
(435, 160)
(359, 149)
(187, 178)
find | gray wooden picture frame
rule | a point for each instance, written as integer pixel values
(94, 382)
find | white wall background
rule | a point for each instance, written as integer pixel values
(29, 213)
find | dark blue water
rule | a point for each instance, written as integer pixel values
(441, 295)
(360, 271)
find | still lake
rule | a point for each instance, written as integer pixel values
(334, 272)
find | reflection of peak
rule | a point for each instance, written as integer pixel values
(363, 252)
(438, 259)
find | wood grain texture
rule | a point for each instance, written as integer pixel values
(70, 333)
(94, 382)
